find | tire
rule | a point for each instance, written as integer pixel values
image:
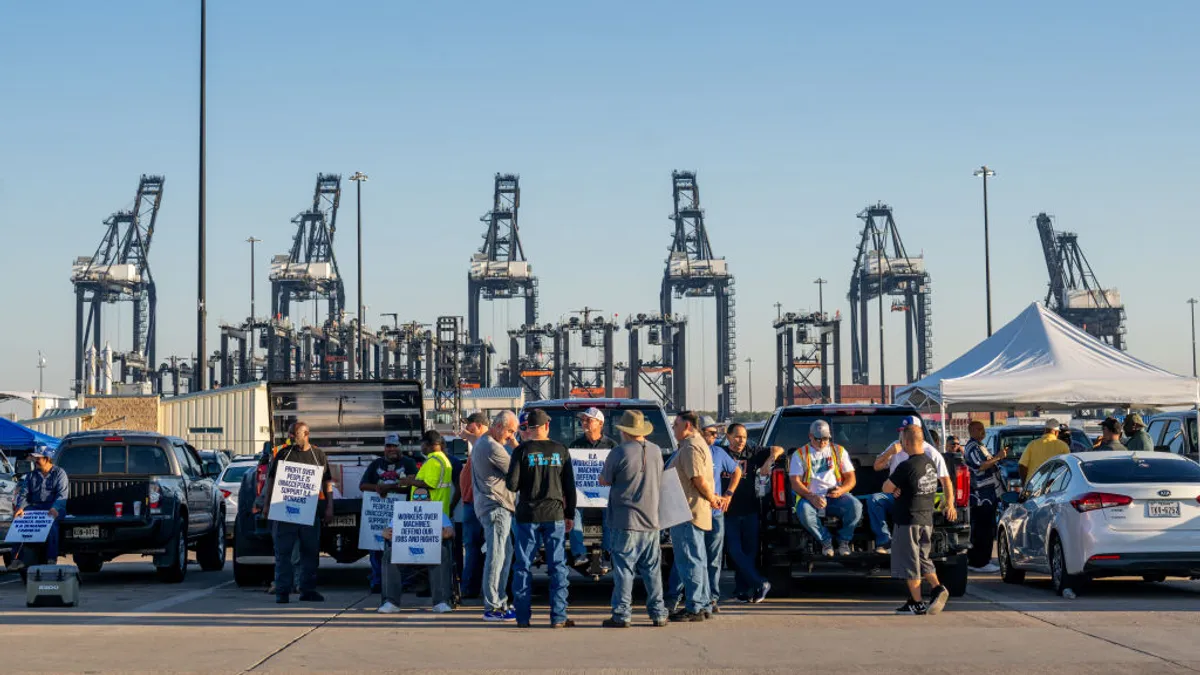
(210, 552)
(953, 575)
(248, 575)
(88, 563)
(780, 578)
(1155, 578)
(176, 568)
(1008, 573)
(1059, 579)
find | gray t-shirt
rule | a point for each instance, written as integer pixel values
(634, 472)
(489, 466)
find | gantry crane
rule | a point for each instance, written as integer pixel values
(802, 347)
(499, 270)
(694, 272)
(666, 375)
(1074, 294)
(119, 271)
(884, 267)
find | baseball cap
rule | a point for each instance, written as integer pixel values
(523, 418)
(707, 422)
(476, 418)
(593, 413)
(1111, 425)
(1134, 418)
(392, 439)
(819, 429)
(910, 421)
(1052, 424)
(950, 440)
(537, 417)
(40, 451)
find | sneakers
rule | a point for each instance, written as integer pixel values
(937, 599)
(762, 592)
(659, 623)
(522, 624)
(827, 550)
(912, 607)
(843, 548)
(883, 549)
(311, 596)
(715, 609)
(990, 568)
(684, 616)
(281, 599)
(615, 623)
(510, 614)
(388, 608)
(493, 616)
(564, 624)
(742, 597)
(442, 608)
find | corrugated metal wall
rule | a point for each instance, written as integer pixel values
(234, 418)
(56, 426)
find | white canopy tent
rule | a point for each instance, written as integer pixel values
(1039, 360)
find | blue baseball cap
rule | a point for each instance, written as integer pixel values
(910, 421)
(523, 418)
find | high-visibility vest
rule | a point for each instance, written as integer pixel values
(837, 462)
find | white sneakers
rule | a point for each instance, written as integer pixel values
(843, 548)
(442, 608)
(388, 608)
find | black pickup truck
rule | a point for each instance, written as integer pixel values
(864, 431)
(139, 492)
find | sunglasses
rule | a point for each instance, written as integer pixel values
(523, 427)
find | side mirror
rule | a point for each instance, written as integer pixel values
(1010, 497)
(24, 466)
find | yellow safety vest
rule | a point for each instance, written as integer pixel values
(837, 462)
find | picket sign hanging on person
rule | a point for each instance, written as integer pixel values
(587, 465)
(417, 533)
(376, 515)
(297, 489)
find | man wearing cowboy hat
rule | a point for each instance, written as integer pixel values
(43, 489)
(633, 472)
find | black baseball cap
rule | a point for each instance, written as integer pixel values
(476, 418)
(536, 418)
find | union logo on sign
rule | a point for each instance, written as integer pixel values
(416, 550)
(294, 510)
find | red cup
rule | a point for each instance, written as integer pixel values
(119, 509)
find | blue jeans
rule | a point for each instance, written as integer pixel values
(691, 565)
(576, 536)
(552, 538)
(472, 573)
(497, 531)
(441, 576)
(741, 540)
(286, 537)
(879, 507)
(376, 578)
(636, 553)
(846, 507)
(714, 547)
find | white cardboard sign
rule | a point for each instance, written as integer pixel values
(587, 465)
(672, 503)
(417, 533)
(297, 488)
(376, 515)
(31, 528)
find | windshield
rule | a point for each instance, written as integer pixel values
(1141, 470)
(858, 434)
(234, 473)
(564, 425)
(90, 460)
(1017, 441)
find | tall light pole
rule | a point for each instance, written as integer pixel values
(821, 296)
(201, 312)
(252, 241)
(42, 371)
(985, 173)
(358, 178)
(750, 380)
(1193, 303)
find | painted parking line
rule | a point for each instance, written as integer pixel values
(159, 605)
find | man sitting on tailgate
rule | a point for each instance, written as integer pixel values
(822, 478)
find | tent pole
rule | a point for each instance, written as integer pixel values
(942, 402)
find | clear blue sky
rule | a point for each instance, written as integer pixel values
(795, 115)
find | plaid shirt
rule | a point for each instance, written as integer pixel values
(985, 484)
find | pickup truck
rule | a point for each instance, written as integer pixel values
(565, 428)
(139, 492)
(348, 420)
(864, 431)
(8, 495)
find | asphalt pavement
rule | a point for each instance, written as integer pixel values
(130, 622)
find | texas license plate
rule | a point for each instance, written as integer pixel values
(593, 530)
(1163, 509)
(347, 520)
(88, 532)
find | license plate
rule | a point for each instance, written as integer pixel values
(89, 532)
(1163, 509)
(593, 530)
(347, 520)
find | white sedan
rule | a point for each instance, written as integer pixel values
(1104, 514)
(229, 484)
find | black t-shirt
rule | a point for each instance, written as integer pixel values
(602, 443)
(918, 482)
(541, 474)
(382, 472)
(745, 501)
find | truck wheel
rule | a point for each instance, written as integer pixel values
(780, 577)
(88, 563)
(176, 568)
(953, 575)
(210, 553)
(248, 575)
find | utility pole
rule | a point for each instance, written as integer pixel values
(1192, 302)
(882, 372)
(358, 178)
(750, 381)
(250, 337)
(821, 296)
(201, 310)
(986, 173)
(42, 372)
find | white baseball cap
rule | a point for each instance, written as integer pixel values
(593, 413)
(392, 439)
(819, 429)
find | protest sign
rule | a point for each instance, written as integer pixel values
(587, 465)
(376, 515)
(294, 499)
(672, 503)
(417, 533)
(31, 528)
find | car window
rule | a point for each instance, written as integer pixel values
(181, 456)
(564, 425)
(112, 459)
(1058, 480)
(1173, 438)
(868, 434)
(234, 472)
(1034, 486)
(1016, 442)
(1155, 430)
(1141, 469)
(85, 460)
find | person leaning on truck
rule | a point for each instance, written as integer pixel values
(1042, 449)
(383, 476)
(881, 504)
(43, 489)
(286, 535)
(822, 478)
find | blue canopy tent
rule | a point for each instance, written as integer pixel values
(21, 439)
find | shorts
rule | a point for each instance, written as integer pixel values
(910, 551)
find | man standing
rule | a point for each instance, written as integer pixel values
(540, 473)
(880, 504)
(987, 482)
(1110, 436)
(633, 470)
(1042, 449)
(915, 482)
(693, 464)
(1135, 430)
(383, 477)
(727, 476)
(822, 478)
(591, 421)
(43, 489)
(286, 535)
(742, 516)
(494, 507)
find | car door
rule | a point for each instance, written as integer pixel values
(1047, 504)
(1023, 511)
(192, 489)
(206, 487)
(1156, 431)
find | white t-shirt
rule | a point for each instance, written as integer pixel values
(823, 477)
(939, 462)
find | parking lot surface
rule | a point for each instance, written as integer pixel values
(129, 622)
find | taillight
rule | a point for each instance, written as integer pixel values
(1099, 500)
(779, 488)
(1104, 557)
(155, 498)
(962, 486)
(225, 493)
